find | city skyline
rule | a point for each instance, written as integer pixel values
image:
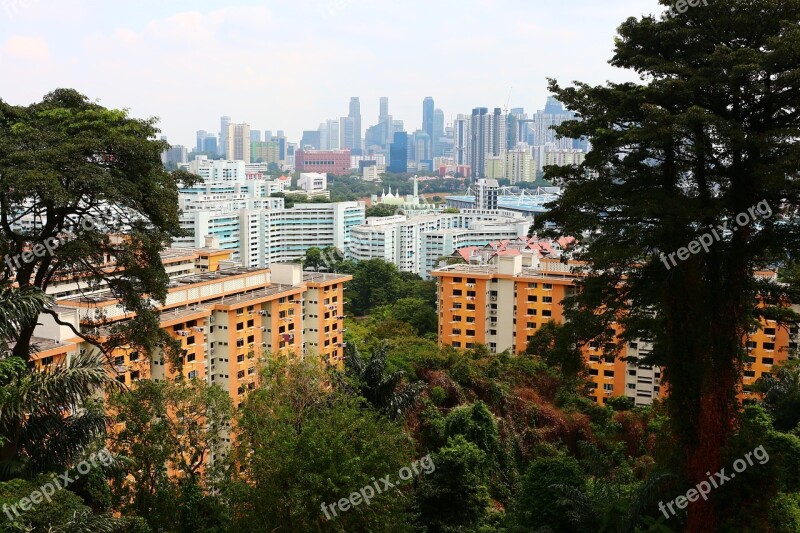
(346, 46)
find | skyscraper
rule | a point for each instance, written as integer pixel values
(461, 140)
(398, 153)
(223, 136)
(202, 135)
(347, 133)
(238, 142)
(255, 136)
(355, 114)
(438, 133)
(553, 114)
(210, 145)
(487, 137)
(384, 106)
(427, 116)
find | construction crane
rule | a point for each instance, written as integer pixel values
(508, 100)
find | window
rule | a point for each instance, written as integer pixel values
(768, 360)
(470, 333)
(533, 298)
(457, 292)
(240, 358)
(608, 373)
(250, 323)
(547, 299)
(190, 357)
(239, 343)
(547, 286)
(470, 319)
(240, 326)
(470, 307)
(546, 312)
(190, 340)
(533, 312)
(769, 331)
(769, 346)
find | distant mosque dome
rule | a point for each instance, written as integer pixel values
(391, 199)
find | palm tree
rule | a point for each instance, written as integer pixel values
(380, 389)
(47, 416)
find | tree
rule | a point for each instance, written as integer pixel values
(708, 137)
(381, 390)
(35, 433)
(64, 511)
(537, 504)
(375, 283)
(381, 210)
(176, 425)
(301, 444)
(313, 259)
(455, 497)
(417, 312)
(48, 417)
(781, 393)
(79, 175)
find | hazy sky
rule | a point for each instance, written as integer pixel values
(281, 64)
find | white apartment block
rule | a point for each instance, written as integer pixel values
(260, 232)
(216, 170)
(415, 244)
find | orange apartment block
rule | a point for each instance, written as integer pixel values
(501, 305)
(227, 319)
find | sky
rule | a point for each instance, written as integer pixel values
(289, 65)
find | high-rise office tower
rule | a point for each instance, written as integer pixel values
(255, 136)
(398, 153)
(421, 149)
(333, 134)
(223, 136)
(384, 108)
(487, 138)
(553, 114)
(238, 140)
(311, 138)
(461, 140)
(202, 135)
(438, 133)
(355, 115)
(347, 137)
(210, 145)
(427, 116)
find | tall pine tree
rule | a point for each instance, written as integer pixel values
(710, 132)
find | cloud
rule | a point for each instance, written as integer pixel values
(28, 49)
